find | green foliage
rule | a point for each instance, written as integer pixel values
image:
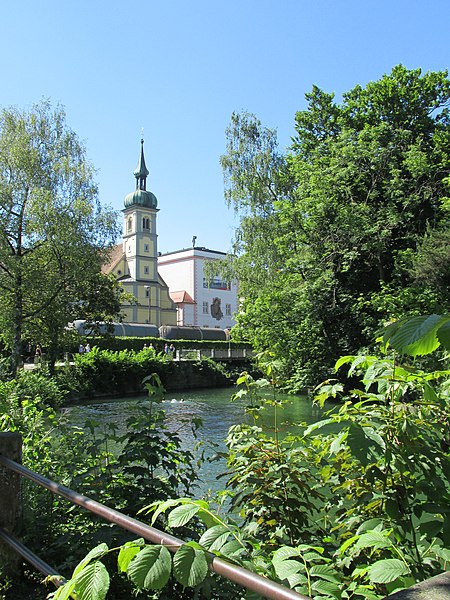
(109, 372)
(52, 229)
(151, 566)
(152, 462)
(355, 507)
(148, 463)
(346, 230)
(419, 335)
(373, 515)
(275, 493)
(30, 385)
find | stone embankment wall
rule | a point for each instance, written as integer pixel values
(175, 376)
(188, 376)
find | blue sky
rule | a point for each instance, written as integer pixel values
(178, 69)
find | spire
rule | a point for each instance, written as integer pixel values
(141, 170)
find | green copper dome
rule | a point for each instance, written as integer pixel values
(140, 196)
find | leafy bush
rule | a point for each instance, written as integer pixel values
(106, 372)
(31, 385)
(376, 496)
(117, 343)
(148, 463)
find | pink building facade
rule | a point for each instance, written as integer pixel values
(200, 302)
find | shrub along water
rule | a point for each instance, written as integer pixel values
(112, 373)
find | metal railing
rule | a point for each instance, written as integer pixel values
(252, 581)
(213, 353)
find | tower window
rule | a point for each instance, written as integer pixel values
(129, 224)
(146, 270)
(146, 247)
(228, 310)
(146, 223)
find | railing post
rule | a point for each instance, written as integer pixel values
(10, 501)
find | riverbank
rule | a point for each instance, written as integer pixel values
(101, 374)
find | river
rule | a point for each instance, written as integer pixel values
(217, 411)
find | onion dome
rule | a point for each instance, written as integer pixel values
(141, 196)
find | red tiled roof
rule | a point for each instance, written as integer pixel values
(115, 255)
(181, 297)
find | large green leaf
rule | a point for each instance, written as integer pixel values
(151, 567)
(338, 443)
(364, 443)
(64, 592)
(443, 335)
(190, 565)
(418, 335)
(92, 583)
(286, 568)
(127, 552)
(183, 514)
(325, 572)
(232, 549)
(343, 360)
(161, 507)
(326, 588)
(299, 582)
(373, 539)
(318, 425)
(215, 537)
(96, 552)
(283, 553)
(387, 570)
(443, 553)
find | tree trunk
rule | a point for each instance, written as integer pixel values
(16, 350)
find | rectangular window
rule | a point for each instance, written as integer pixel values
(146, 270)
(205, 308)
(228, 310)
(145, 247)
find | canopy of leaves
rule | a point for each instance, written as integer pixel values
(53, 231)
(347, 229)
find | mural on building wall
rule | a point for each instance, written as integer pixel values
(216, 284)
(216, 311)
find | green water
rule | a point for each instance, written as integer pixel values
(217, 411)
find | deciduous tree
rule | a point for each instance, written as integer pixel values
(342, 218)
(53, 230)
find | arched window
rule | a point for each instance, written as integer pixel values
(146, 223)
(129, 224)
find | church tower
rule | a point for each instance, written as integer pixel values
(135, 264)
(139, 233)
